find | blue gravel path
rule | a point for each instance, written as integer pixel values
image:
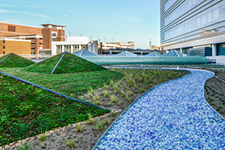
(174, 115)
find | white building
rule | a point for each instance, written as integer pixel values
(74, 44)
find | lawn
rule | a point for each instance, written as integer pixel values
(26, 111)
(72, 84)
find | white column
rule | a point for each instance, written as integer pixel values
(214, 50)
(71, 48)
(80, 47)
(63, 48)
(181, 50)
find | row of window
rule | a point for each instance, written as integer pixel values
(182, 9)
(209, 17)
(168, 4)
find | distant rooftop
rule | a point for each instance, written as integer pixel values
(52, 25)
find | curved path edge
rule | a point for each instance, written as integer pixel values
(167, 82)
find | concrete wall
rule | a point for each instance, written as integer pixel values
(219, 59)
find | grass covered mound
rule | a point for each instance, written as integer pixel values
(72, 84)
(14, 60)
(26, 111)
(69, 64)
(1, 58)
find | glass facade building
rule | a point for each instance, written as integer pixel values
(191, 24)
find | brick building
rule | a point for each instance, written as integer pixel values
(40, 38)
(22, 47)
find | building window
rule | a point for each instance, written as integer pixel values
(54, 36)
(12, 28)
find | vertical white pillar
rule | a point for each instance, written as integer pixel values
(63, 48)
(80, 47)
(181, 50)
(71, 48)
(214, 50)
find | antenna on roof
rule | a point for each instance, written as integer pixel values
(150, 43)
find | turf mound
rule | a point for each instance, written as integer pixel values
(27, 111)
(64, 63)
(13, 60)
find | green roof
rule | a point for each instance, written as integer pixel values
(13, 60)
(64, 63)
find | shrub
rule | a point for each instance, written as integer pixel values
(106, 122)
(105, 86)
(111, 83)
(130, 93)
(99, 126)
(24, 147)
(114, 98)
(70, 144)
(106, 93)
(42, 138)
(116, 89)
(96, 97)
(90, 119)
(79, 128)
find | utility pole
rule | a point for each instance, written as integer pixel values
(150, 43)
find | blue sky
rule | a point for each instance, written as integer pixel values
(110, 20)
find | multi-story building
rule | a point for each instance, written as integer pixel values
(22, 47)
(191, 24)
(40, 38)
(36, 41)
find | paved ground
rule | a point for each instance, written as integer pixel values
(174, 115)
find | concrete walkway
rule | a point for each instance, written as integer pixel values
(174, 115)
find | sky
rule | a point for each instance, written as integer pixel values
(108, 20)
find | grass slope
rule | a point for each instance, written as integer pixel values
(69, 64)
(45, 66)
(2, 57)
(27, 111)
(15, 61)
(72, 84)
(72, 64)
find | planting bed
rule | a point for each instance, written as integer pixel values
(71, 138)
(27, 111)
(215, 92)
(68, 64)
(14, 61)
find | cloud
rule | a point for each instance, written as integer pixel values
(25, 13)
(130, 19)
(11, 21)
(6, 5)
